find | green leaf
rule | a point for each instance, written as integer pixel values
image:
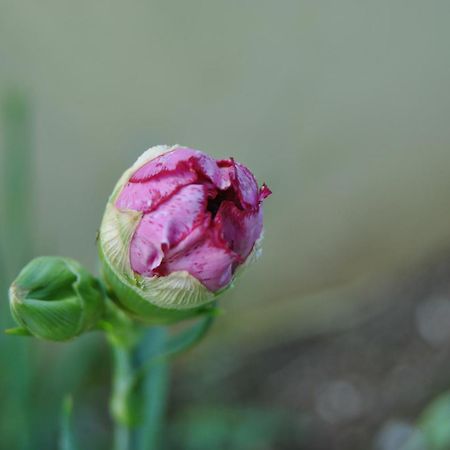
(180, 342)
(16, 226)
(67, 438)
(190, 337)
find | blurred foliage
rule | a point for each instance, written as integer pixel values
(435, 424)
(29, 414)
(15, 368)
(67, 439)
(433, 427)
(215, 427)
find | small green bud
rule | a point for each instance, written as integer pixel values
(56, 299)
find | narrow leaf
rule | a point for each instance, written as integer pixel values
(67, 438)
(16, 181)
(178, 344)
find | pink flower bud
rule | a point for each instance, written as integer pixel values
(190, 215)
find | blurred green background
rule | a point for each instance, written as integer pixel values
(339, 338)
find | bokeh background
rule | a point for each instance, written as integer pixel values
(339, 338)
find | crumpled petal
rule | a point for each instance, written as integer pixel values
(168, 162)
(183, 157)
(246, 186)
(209, 260)
(264, 192)
(146, 196)
(166, 226)
(240, 229)
(200, 215)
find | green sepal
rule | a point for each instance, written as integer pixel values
(56, 299)
(17, 331)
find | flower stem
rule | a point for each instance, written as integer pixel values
(122, 437)
(122, 385)
(154, 390)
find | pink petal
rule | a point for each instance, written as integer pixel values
(146, 196)
(207, 228)
(208, 260)
(195, 235)
(169, 224)
(180, 159)
(264, 192)
(165, 163)
(208, 167)
(246, 186)
(240, 229)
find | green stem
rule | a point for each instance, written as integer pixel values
(122, 437)
(123, 336)
(120, 399)
(154, 389)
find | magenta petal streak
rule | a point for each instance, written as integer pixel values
(199, 215)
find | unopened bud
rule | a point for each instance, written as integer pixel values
(56, 299)
(177, 230)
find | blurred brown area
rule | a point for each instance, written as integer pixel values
(352, 385)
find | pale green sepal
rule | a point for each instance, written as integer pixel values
(130, 298)
(116, 231)
(178, 290)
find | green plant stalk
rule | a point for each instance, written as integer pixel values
(155, 388)
(121, 390)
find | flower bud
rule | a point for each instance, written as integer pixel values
(55, 298)
(178, 228)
